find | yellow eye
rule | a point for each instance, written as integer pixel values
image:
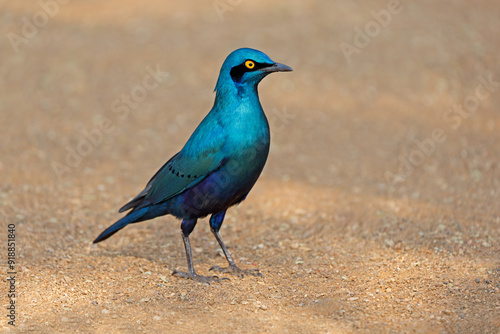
(249, 64)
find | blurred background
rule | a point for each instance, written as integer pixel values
(385, 141)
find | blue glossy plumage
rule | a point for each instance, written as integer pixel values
(221, 161)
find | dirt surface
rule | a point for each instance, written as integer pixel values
(378, 209)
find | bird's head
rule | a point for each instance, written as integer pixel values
(245, 68)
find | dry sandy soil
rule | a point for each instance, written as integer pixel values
(378, 210)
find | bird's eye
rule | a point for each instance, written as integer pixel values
(249, 64)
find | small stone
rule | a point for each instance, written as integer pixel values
(476, 175)
(156, 318)
(105, 311)
(388, 290)
(478, 280)
(389, 242)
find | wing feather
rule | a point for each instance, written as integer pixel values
(202, 155)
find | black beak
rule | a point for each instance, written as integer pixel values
(277, 67)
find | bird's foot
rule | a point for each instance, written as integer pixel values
(198, 278)
(235, 271)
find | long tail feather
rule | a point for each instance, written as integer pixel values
(128, 219)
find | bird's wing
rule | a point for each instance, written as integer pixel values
(180, 173)
(140, 197)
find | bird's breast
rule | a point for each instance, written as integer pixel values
(250, 143)
(247, 141)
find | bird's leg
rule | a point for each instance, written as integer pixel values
(232, 268)
(187, 227)
(215, 224)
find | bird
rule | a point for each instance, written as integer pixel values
(218, 165)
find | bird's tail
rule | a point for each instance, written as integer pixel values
(132, 217)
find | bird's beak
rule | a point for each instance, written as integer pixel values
(277, 67)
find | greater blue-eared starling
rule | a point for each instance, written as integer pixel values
(219, 164)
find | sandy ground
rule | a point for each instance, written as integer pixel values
(378, 209)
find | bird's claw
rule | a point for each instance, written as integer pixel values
(199, 278)
(234, 270)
